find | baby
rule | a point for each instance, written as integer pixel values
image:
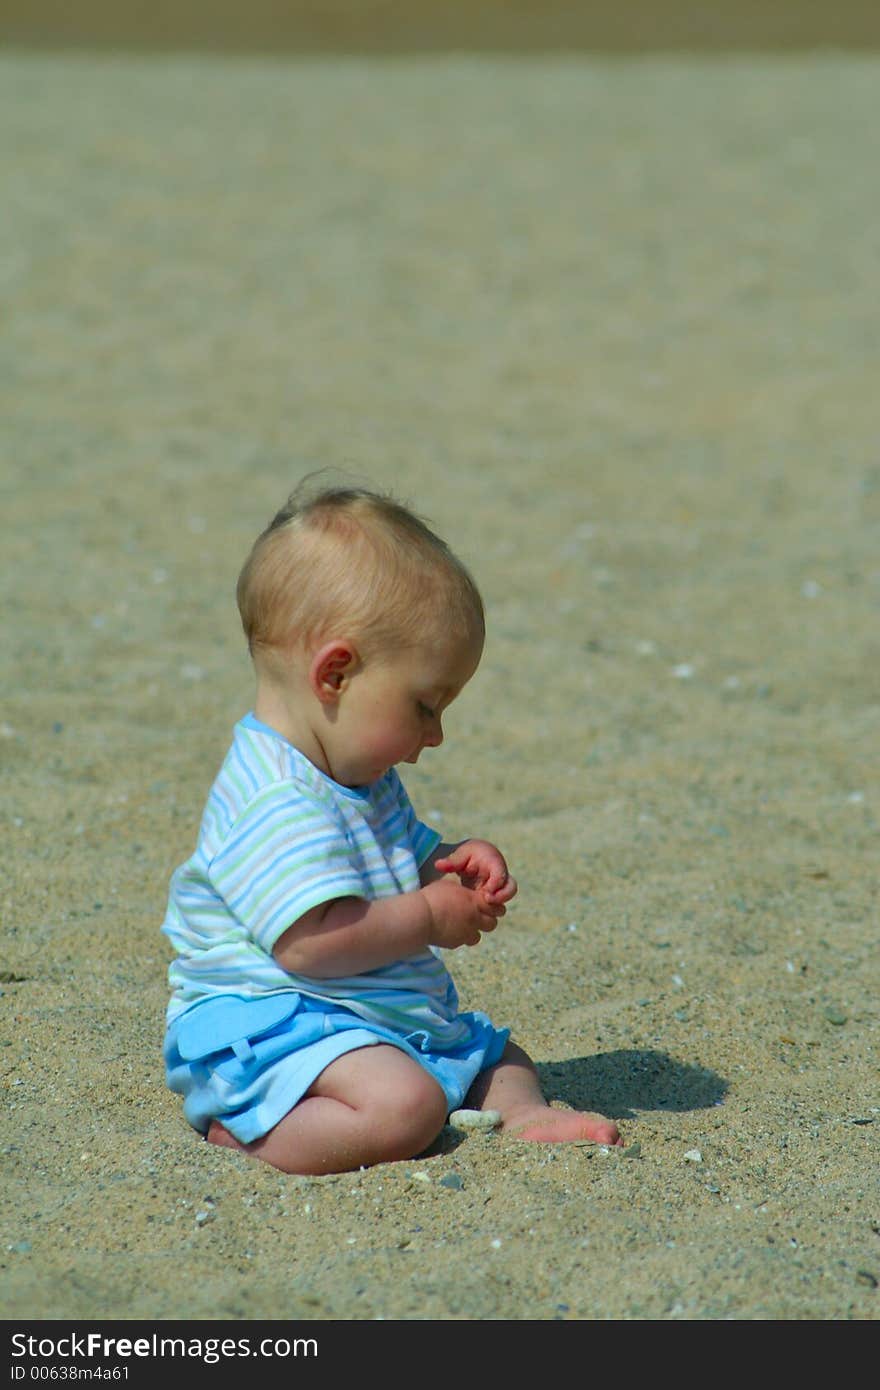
(313, 1022)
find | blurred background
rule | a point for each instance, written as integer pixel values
(387, 26)
(595, 288)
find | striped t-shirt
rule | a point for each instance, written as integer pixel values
(277, 838)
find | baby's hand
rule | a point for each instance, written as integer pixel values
(480, 867)
(459, 916)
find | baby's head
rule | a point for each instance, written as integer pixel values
(363, 627)
(347, 560)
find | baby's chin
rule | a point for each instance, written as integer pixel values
(371, 778)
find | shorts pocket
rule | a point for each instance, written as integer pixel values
(231, 1022)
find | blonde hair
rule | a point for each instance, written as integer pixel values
(346, 561)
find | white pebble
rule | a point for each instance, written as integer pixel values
(475, 1119)
(683, 671)
(693, 1156)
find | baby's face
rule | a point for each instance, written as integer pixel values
(392, 708)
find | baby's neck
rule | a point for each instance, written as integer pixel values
(280, 712)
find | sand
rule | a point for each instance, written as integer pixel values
(611, 325)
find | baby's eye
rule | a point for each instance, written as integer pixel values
(426, 710)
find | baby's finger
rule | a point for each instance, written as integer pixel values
(451, 864)
(504, 892)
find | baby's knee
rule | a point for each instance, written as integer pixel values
(415, 1116)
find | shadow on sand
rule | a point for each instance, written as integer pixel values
(617, 1084)
(622, 1082)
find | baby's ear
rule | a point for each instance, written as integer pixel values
(331, 668)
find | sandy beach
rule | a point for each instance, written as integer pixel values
(611, 326)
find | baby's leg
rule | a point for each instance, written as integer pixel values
(511, 1087)
(372, 1105)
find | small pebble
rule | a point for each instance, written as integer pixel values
(693, 1156)
(451, 1180)
(475, 1119)
(633, 1151)
(835, 1015)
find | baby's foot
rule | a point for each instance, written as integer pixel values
(544, 1125)
(218, 1134)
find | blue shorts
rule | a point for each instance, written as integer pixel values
(246, 1062)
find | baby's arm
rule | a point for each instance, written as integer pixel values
(348, 936)
(479, 865)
